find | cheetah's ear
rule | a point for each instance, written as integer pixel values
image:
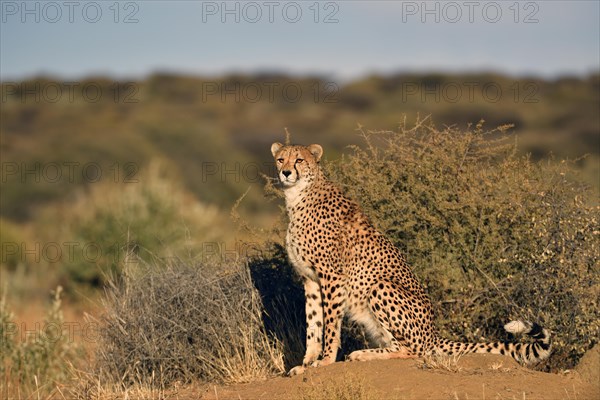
(316, 150)
(275, 147)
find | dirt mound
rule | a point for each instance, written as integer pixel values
(589, 367)
(476, 376)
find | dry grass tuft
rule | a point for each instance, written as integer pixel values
(180, 323)
(440, 362)
(34, 363)
(347, 388)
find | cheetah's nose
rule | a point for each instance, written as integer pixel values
(286, 173)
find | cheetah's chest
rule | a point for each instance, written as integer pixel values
(298, 254)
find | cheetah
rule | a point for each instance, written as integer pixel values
(349, 267)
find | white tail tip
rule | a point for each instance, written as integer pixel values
(517, 327)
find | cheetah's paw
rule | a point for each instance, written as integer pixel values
(322, 363)
(298, 370)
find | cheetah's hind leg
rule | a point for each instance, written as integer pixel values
(404, 316)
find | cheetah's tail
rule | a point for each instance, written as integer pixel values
(525, 353)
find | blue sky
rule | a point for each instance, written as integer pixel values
(82, 38)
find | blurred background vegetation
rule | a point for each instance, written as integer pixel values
(70, 149)
(152, 171)
(191, 122)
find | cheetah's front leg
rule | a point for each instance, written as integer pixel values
(334, 299)
(314, 326)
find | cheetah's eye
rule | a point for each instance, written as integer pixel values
(280, 160)
(298, 161)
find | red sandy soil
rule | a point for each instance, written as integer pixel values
(479, 376)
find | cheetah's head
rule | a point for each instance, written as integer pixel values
(296, 165)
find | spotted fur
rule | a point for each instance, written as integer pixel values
(348, 267)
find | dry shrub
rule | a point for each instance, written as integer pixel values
(492, 235)
(181, 323)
